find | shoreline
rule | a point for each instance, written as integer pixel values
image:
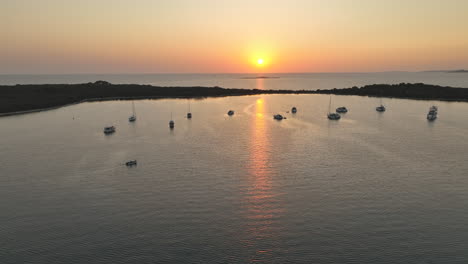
(25, 99)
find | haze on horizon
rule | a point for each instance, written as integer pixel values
(220, 36)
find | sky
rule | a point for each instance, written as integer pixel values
(230, 36)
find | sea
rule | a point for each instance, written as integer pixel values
(274, 81)
(372, 187)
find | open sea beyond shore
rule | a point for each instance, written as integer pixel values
(287, 81)
(370, 188)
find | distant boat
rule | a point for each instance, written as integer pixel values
(332, 116)
(294, 110)
(109, 130)
(380, 108)
(230, 112)
(131, 163)
(342, 109)
(278, 117)
(171, 123)
(189, 114)
(432, 115)
(132, 118)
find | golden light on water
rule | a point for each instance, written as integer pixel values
(262, 205)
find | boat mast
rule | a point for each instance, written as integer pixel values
(329, 105)
(133, 108)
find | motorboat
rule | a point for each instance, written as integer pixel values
(171, 124)
(341, 109)
(189, 115)
(432, 115)
(294, 110)
(380, 108)
(278, 117)
(230, 112)
(109, 130)
(131, 163)
(334, 116)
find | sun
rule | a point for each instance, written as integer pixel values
(260, 61)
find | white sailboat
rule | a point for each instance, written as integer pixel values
(189, 114)
(332, 116)
(380, 108)
(132, 118)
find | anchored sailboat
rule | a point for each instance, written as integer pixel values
(380, 108)
(171, 123)
(189, 114)
(132, 118)
(332, 116)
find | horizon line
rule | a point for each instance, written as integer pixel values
(220, 73)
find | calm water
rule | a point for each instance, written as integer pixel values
(370, 188)
(290, 81)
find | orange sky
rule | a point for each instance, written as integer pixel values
(214, 36)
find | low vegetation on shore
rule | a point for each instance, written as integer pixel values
(23, 98)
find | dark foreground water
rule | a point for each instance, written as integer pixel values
(370, 188)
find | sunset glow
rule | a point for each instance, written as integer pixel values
(53, 36)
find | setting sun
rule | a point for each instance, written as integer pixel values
(260, 61)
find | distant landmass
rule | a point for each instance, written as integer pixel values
(17, 99)
(419, 91)
(450, 71)
(260, 77)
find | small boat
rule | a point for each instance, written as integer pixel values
(330, 115)
(294, 110)
(230, 112)
(432, 115)
(131, 163)
(278, 117)
(189, 114)
(334, 116)
(341, 109)
(380, 108)
(109, 130)
(171, 123)
(132, 118)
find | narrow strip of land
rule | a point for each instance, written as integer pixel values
(26, 98)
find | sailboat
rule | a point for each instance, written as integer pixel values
(132, 118)
(189, 114)
(332, 116)
(380, 108)
(171, 123)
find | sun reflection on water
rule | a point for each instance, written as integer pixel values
(261, 204)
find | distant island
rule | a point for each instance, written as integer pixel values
(458, 71)
(17, 99)
(450, 71)
(260, 77)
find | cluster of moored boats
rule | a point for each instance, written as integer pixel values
(431, 116)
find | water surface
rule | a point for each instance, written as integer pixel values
(370, 188)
